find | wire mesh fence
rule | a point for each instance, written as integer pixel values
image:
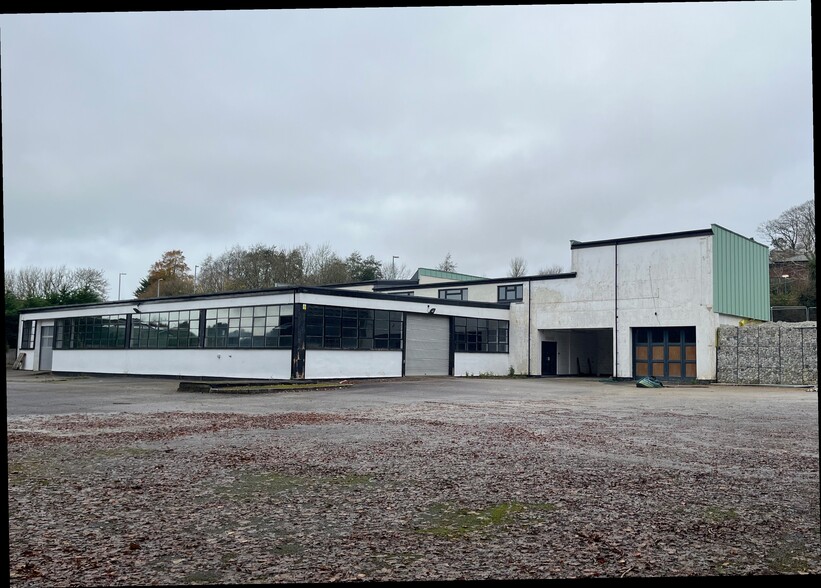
(792, 314)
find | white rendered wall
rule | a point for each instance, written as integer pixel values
(220, 363)
(332, 363)
(31, 361)
(476, 292)
(519, 344)
(663, 283)
(474, 364)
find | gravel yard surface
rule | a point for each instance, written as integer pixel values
(420, 480)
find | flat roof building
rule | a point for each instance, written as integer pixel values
(628, 308)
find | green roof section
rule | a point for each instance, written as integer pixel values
(741, 276)
(432, 273)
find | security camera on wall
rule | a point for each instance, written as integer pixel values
(431, 311)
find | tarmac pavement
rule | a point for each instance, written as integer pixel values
(44, 393)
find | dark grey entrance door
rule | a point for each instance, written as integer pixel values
(549, 357)
(46, 347)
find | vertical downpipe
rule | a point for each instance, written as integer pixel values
(616, 310)
(529, 333)
(298, 342)
(405, 341)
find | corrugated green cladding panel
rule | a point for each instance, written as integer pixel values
(741, 279)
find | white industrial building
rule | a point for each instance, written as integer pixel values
(630, 307)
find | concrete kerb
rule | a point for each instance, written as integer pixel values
(263, 386)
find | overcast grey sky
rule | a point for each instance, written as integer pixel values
(488, 132)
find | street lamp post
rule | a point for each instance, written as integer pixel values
(119, 284)
(158, 286)
(393, 267)
(195, 277)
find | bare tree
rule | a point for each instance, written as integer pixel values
(36, 282)
(89, 279)
(447, 264)
(792, 242)
(322, 265)
(209, 277)
(793, 232)
(262, 266)
(259, 266)
(551, 270)
(391, 271)
(518, 267)
(28, 282)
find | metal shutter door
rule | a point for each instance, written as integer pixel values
(427, 345)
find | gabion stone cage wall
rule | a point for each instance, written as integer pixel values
(768, 353)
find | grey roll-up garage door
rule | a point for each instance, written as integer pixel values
(427, 345)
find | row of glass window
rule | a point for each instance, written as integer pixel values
(506, 293)
(334, 327)
(268, 326)
(271, 327)
(668, 335)
(177, 329)
(480, 335)
(265, 327)
(91, 332)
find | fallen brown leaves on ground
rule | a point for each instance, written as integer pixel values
(422, 492)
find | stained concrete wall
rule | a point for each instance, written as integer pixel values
(768, 353)
(663, 283)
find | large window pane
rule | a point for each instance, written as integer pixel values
(480, 335)
(253, 327)
(97, 332)
(350, 328)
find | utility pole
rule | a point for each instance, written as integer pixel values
(119, 284)
(393, 267)
(158, 286)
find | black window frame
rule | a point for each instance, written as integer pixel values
(353, 329)
(261, 326)
(517, 289)
(29, 334)
(479, 335)
(453, 294)
(84, 333)
(164, 329)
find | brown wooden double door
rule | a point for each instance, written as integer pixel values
(666, 353)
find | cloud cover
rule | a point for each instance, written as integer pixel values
(487, 132)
